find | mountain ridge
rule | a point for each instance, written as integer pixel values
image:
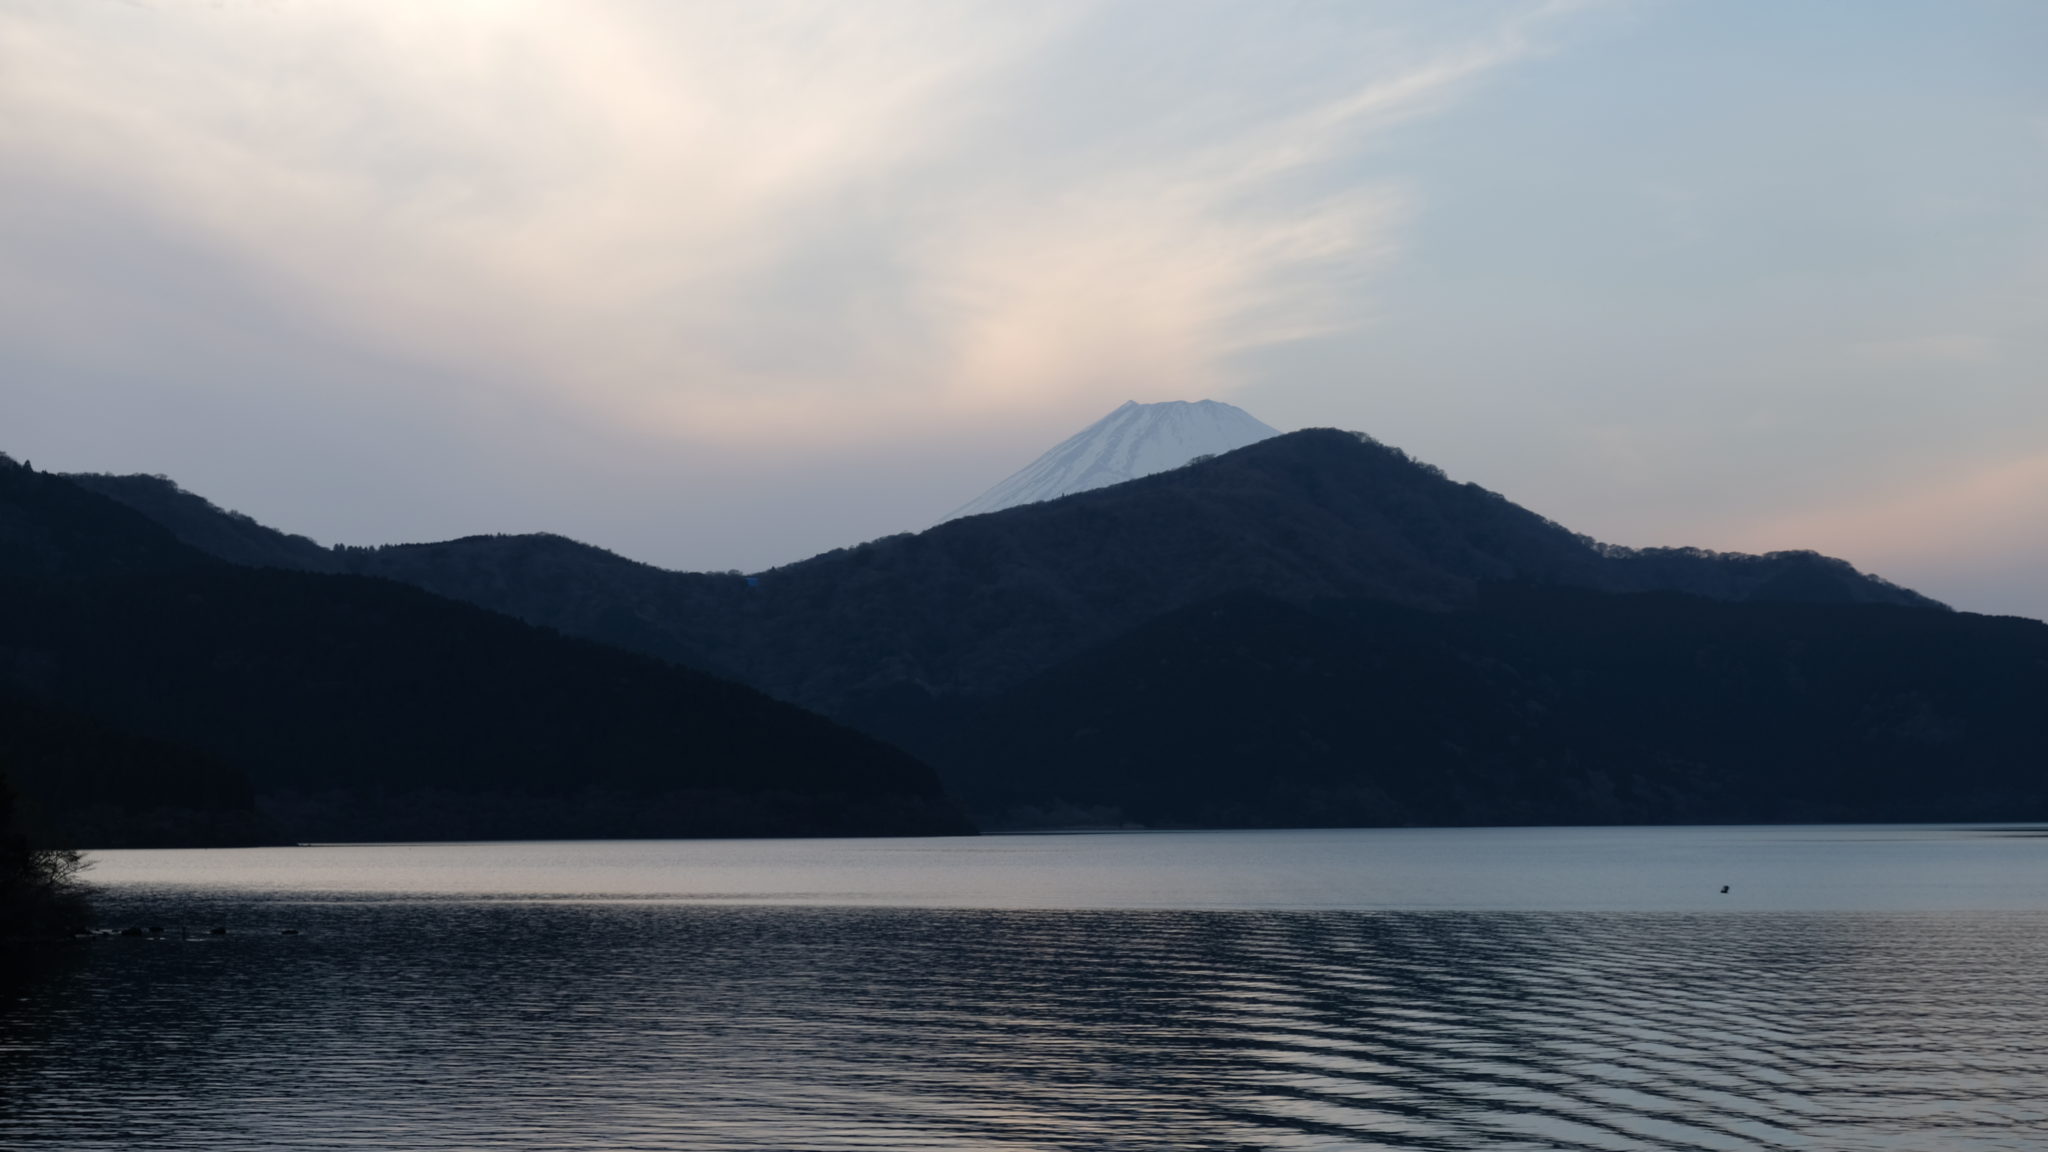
(363, 708)
(1318, 629)
(979, 603)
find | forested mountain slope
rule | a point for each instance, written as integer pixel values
(80, 782)
(1531, 706)
(979, 604)
(1316, 629)
(363, 708)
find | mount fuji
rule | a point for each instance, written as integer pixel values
(1135, 440)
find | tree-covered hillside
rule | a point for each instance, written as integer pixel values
(1317, 629)
(980, 604)
(1531, 706)
(362, 708)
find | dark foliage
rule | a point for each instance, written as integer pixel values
(40, 897)
(361, 708)
(1318, 629)
(559, 583)
(214, 530)
(980, 604)
(83, 783)
(1531, 706)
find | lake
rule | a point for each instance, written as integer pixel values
(1855, 988)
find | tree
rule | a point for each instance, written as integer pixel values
(40, 893)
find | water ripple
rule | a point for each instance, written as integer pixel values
(486, 1025)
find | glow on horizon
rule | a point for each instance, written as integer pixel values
(1971, 515)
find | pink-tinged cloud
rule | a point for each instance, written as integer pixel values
(758, 222)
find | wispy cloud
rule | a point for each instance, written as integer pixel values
(754, 221)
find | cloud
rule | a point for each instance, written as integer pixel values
(751, 222)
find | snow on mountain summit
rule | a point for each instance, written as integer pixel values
(1135, 440)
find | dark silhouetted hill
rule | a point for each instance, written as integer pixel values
(560, 583)
(873, 633)
(80, 783)
(362, 708)
(1317, 629)
(1530, 706)
(197, 521)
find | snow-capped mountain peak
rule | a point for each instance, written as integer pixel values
(1135, 440)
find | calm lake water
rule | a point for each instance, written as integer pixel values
(1856, 988)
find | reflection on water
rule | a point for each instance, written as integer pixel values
(1793, 869)
(402, 1022)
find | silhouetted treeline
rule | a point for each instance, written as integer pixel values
(361, 708)
(204, 525)
(980, 604)
(1317, 629)
(1531, 706)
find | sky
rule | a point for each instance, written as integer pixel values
(723, 285)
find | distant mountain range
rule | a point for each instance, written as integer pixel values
(1312, 629)
(150, 693)
(979, 604)
(1133, 441)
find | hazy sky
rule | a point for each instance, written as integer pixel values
(723, 285)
